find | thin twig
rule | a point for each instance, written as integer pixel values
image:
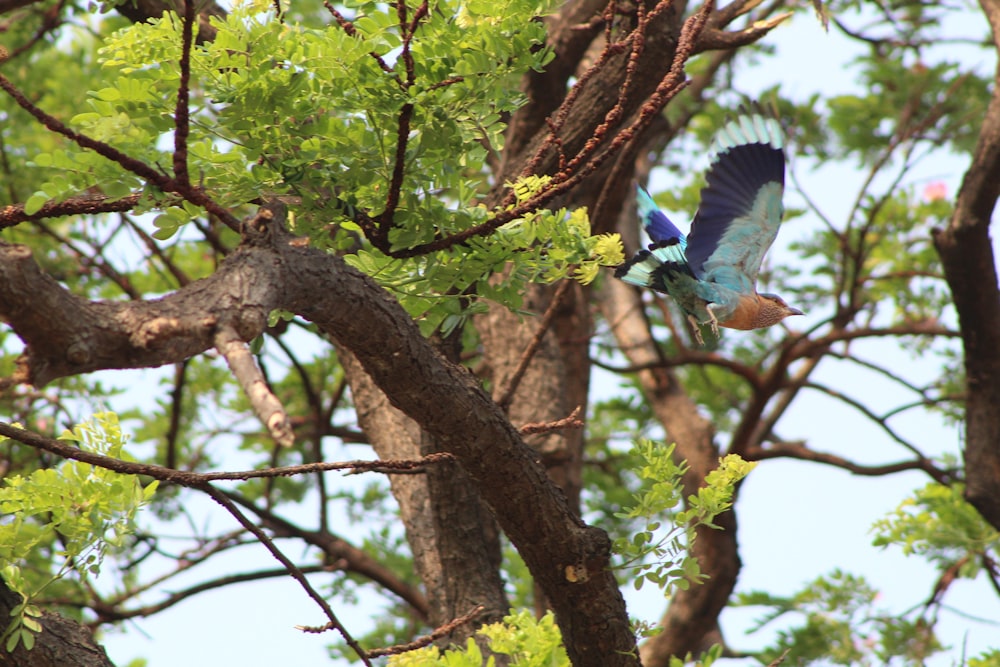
(572, 421)
(351, 31)
(800, 452)
(176, 410)
(139, 168)
(198, 479)
(182, 121)
(51, 19)
(171, 266)
(426, 640)
(291, 567)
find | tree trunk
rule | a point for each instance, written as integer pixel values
(453, 538)
(970, 268)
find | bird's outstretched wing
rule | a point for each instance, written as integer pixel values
(655, 221)
(741, 207)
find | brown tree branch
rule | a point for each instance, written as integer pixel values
(269, 272)
(713, 39)
(344, 555)
(111, 611)
(199, 479)
(81, 205)
(427, 640)
(452, 535)
(570, 421)
(139, 11)
(507, 395)
(265, 404)
(798, 451)
(297, 574)
(182, 121)
(141, 169)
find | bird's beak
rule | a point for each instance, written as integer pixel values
(794, 311)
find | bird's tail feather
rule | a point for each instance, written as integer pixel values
(661, 263)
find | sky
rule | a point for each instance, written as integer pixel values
(831, 511)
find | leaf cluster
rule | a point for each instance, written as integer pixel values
(938, 524)
(834, 620)
(661, 555)
(65, 519)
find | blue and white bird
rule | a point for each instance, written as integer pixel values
(712, 273)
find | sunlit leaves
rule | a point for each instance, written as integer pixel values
(528, 641)
(938, 524)
(658, 554)
(76, 511)
(543, 246)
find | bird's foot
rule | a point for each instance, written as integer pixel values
(712, 321)
(696, 325)
(696, 329)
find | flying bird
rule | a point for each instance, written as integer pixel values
(712, 273)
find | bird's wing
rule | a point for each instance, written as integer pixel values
(656, 223)
(740, 208)
(658, 267)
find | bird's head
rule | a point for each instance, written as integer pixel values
(773, 309)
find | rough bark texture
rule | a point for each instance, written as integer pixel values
(597, 96)
(568, 559)
(62, 642)
(453, 538)
(970, 269)
(541, 395)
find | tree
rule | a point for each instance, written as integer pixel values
(404, 210)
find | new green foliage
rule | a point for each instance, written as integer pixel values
(938, 524)
(661, 555)
(527, 641)
(65, 519)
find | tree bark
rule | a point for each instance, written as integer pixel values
(543, 393)
(966, 253)
(453, 538)
(62, 642)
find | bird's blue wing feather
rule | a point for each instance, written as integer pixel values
(656, 223)
(740, 208)
(657, 268)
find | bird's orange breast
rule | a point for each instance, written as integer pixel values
(745, 315)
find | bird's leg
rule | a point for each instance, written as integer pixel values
(712, 320)
(696, 329)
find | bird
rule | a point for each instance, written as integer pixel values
(712, 272)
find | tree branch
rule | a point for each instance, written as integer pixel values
(970, 269)
(265, 404)
(798, 451)
(271, 271)
(81, 205)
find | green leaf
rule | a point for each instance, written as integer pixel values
(35, 202)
